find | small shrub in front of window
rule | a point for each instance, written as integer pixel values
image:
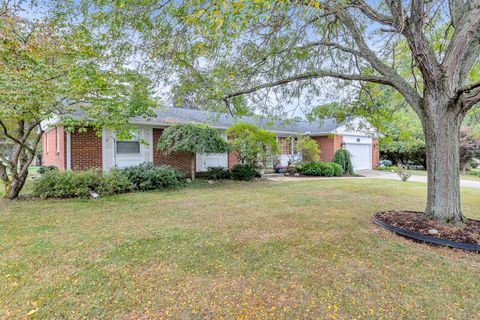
(244, 172)
(218, 173)
(147, 176)
(67, 184)
(113, 182)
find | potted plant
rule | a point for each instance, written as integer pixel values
(279, 168)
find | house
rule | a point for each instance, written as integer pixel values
(85, 149)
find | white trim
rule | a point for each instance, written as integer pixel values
(68, 146)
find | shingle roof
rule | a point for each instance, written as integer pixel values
(167, 116)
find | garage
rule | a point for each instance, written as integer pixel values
(361, 151)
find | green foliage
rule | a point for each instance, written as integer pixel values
(192, 138)
(113, 182)
(337, 169)
(308, 148)
(51, 68)
(45, 169)
(67, 184)
(147, 176)
(343, 158)
(252, 144)
(325, 169)
(72, 184)
(244, 172)
(218, 173)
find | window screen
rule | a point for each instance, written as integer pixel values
(128, 147)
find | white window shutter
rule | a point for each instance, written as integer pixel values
(108, 149)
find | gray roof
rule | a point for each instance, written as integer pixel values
(168, 116)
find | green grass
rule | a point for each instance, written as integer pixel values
(253, 250)
(462, 176)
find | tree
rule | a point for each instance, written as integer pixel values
(308, 148)
(469, 148)
(252, 144)
(193, 139)
(343, 158)
(48, 69)
(283, 49)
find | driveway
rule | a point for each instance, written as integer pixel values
(377, 174)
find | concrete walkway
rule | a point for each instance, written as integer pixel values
(373, 174)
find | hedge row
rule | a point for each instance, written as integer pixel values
(73, 184)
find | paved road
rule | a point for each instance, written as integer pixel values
(377, 174)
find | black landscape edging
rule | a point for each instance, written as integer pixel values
(427, 239)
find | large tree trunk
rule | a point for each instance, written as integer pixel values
(442, 130)
(16, 185)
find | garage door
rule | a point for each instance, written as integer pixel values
(361, 155)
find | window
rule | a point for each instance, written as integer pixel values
(129, 147)
(286, 145)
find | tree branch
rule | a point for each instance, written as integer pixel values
(372, 13)
(461, 52)
(309, 76)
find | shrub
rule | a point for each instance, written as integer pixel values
(218, 173)
(115, 181)
(147, 176)
(243, 172)
(45, 169)
(337, 169)
(344, 159)
(67, 184)
(325, 169)
(403, 173)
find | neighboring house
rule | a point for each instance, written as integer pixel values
(82, 150)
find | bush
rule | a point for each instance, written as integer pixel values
(344, 159)
(325, 169)
(403, 173)
(218, 173)
(337, 169)
(115, 181)
(67, 184)
(45, 169)
(147, 176)
(243, 172)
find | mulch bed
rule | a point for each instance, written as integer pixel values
(418, 222)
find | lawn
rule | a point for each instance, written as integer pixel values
(462, 176)
(234, 250)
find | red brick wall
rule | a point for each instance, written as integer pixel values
(86, 150)
(375, 153)
(53, 149)
(179, 160)
(328, 145)
(232, 159)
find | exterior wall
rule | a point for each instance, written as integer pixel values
(232, 160)
(328, 145)
(179, 160)
(86, 150)
(54, 149)
(375, 153)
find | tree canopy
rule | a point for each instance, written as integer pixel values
(192, 138)
(251, 144)
(48, 69)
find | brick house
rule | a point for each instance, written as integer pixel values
(86, 149)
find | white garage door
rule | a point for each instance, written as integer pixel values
(361, 155)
